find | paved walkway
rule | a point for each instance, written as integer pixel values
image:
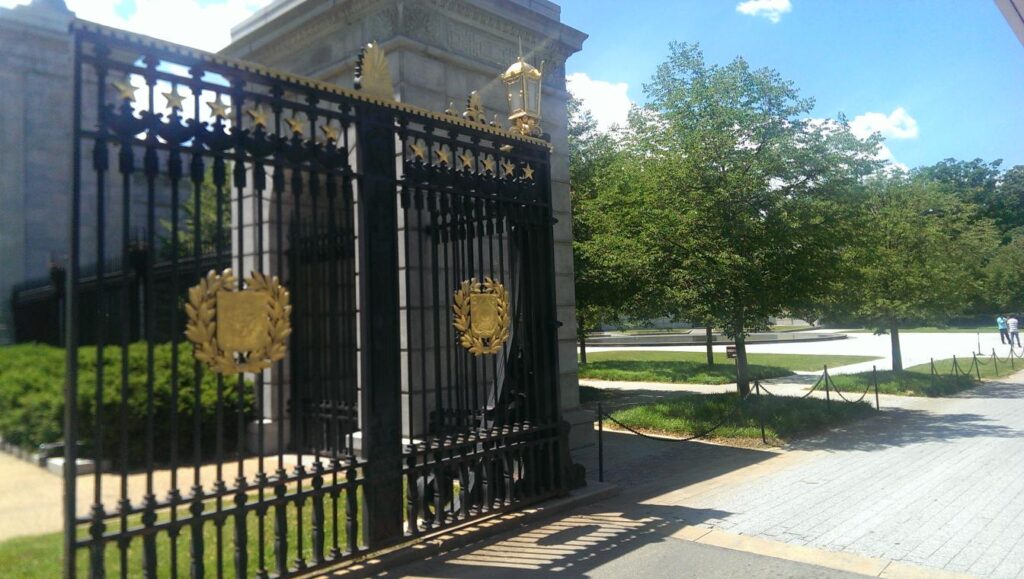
(933, 482)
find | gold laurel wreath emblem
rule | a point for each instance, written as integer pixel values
(261, 326)
(490, 330)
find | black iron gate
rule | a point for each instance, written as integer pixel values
(394, 413)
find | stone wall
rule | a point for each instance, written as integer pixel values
(35, 145)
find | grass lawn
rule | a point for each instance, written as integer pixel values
(918, 381)
(785, 417)
(791, 328)
(692, 368)
(39, 557)
(644, 332)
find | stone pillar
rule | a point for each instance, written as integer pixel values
(438, 52)
(35, 140)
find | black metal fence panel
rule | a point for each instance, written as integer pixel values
(395, 413)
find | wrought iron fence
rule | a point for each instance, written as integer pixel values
(384, 422)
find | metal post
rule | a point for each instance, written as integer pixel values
(931, 379)
(71, 328)
(874, 376)
(828, 397)
(760, 410)
(995, 362)
(600, 443)
(977, 367)
(956, 371)
(379, 328)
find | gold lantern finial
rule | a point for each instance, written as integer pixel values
(523, 87)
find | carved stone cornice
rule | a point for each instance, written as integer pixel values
(454, 26)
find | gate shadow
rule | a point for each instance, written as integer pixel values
(593, 535)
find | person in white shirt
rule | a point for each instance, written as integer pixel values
(1013, 325)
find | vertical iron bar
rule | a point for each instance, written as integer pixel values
(874, 377)
(71, 328)
(100, 167)
(149, 560)
(127, 167)
(828, 397)
(760, 410)
(600, 442)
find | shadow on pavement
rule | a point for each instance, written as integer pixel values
(570, 546)
(993, 390)
(592, 536)
(901, 427)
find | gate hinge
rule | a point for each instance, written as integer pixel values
(558, 324)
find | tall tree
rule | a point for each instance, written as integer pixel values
(591, 152)
(735, 191)
(919, 255)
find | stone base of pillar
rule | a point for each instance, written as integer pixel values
(582, 433)
(270, 439)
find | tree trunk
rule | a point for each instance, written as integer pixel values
(897, 357)
(742, 375)
(711, 353)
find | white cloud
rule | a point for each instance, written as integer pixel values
(885, 154)
(206, 27)
(770, 9)
(607, 101)
(896, 125)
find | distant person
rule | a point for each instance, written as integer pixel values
(1012, 325)
(1004, 334)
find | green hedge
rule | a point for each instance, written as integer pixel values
(32, 400)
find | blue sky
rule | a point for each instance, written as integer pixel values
(939, 78)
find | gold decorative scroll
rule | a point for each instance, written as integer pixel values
(234, 330)
(481, 316)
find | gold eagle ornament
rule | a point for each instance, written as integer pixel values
(481, 316)
(234, 330)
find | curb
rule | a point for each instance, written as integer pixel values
(837, 560)
(471, 532)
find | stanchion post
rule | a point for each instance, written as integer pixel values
(977, 367)
(828, 397)
(600, 443)
(760, 410)
(995, 362)
(956, 371)
(874, 376)
(931, 379)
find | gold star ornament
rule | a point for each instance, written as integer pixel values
(528, 172)
(467, 160)
(174, 100)
(258, 115)
(296, 125)
(219, 108)
(508, 167)
(417, 151)
(330, 133)
(489, 164)
(125, 90)
(443, 156)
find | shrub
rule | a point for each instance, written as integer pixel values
(32, 401)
